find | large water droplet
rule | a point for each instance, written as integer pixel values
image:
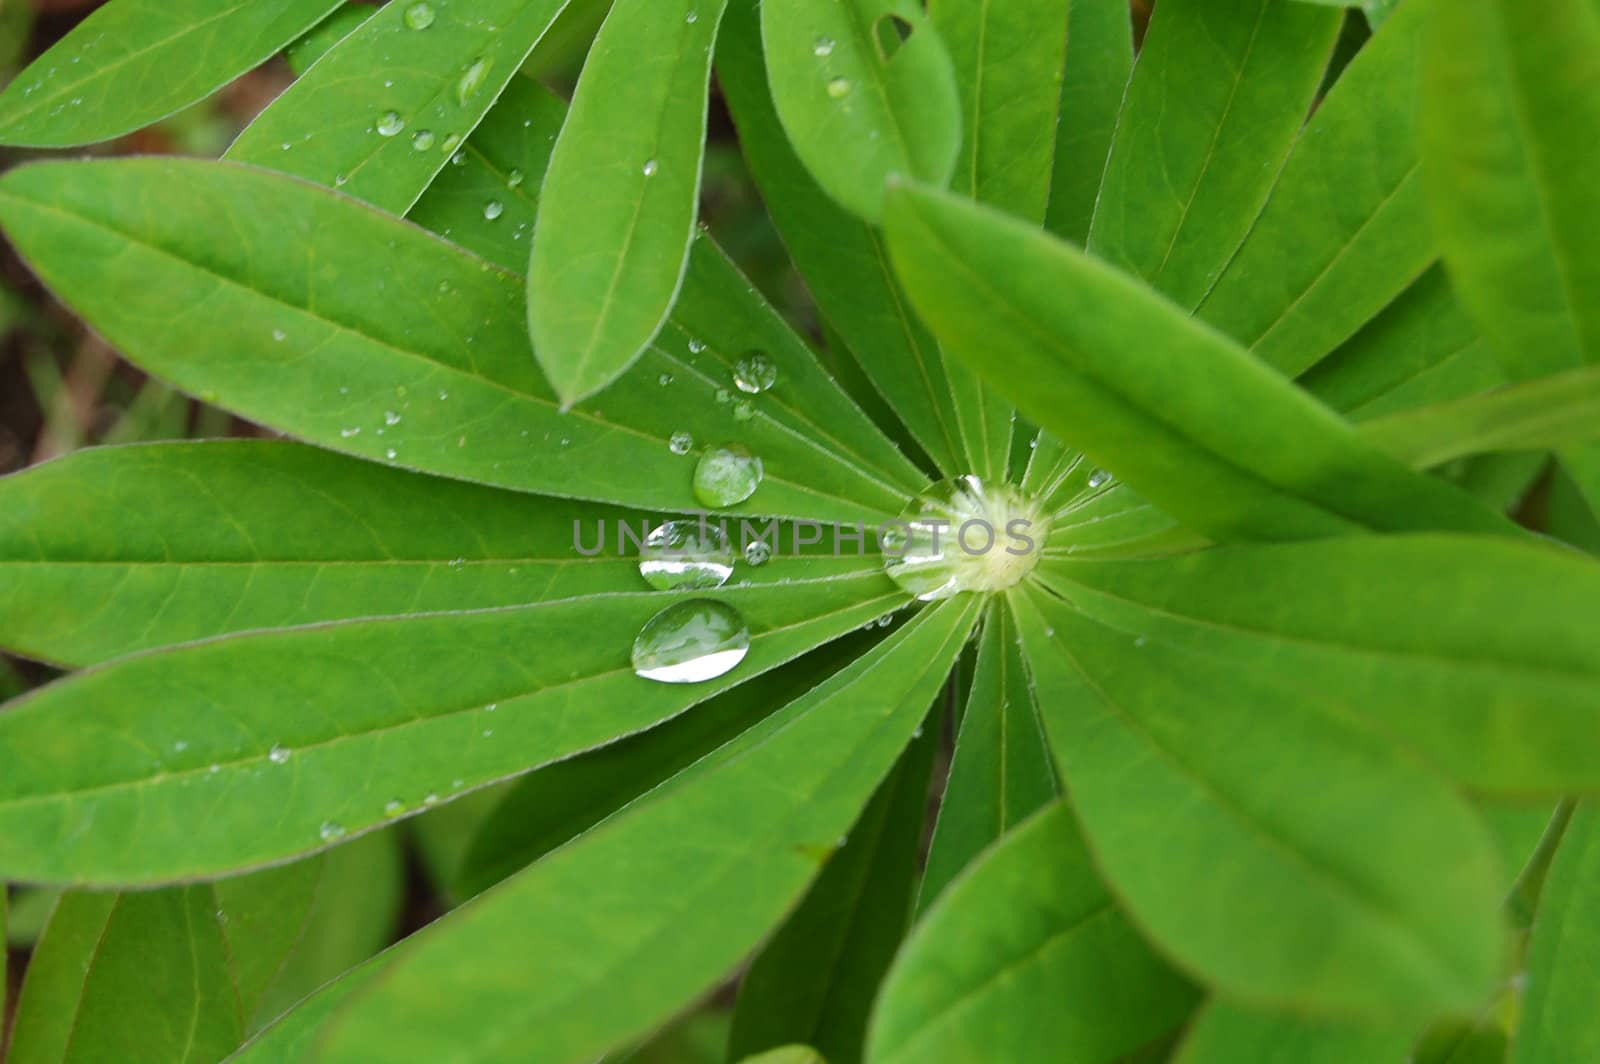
(472, 81)
(686, 555)
(419, 16)
(964, 535)
(389, 125)
(726, 476)
(691, 642)
(755, 372)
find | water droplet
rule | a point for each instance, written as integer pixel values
(691, 642)
(388, 125)
(758, 552)
(419, 16)
(1099, 478)
(180, 746)
(458, 159)
(839, 88)
(473, 79)
(824, 47)
(515, 179)
(686, 555)
(744, 410)
(279, 335)
(391, 418)
(450, 144)
(964, 535)
(681, 443)
(664, 380)
(423, 140)
(724, 396)
(493, 209)
(393, 808)
(279, 755)
(692, 17)
(726, 476)
(755, 372)
(330, 831)
(650, 167)
(391, 454)
(696, 346)
(350, 433)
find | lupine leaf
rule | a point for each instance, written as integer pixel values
(1559, 1024)
(383, 112)
(1346, 229)
(134, 62)
(1099, 62)
(1218, 95)
(840, 72)
(1000, 773)
(611, 935)
(617, 209)
(348, 726)
(1226, 1033)
(1148, 393)
(814, 982)
(1235, 819)
(436, 338)
(1027, 958)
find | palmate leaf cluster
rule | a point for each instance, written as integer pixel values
(1281, 752)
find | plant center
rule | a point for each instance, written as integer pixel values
(964, 535)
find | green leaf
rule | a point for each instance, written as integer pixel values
(1000, 773)
(814, 981)
(1027, 958)
(617, 210)
(1278, 847)
(320, 345)
(843, 259)
(1539, 414)
(787, 1055)
(134, 62)
(141, 976)
(841, 74)
(1098, 64)
(1473, 652)
(383, 112)
(1346, 229)
(1511, 128)
(1217, 98)
(182, 541)
(1559, 1024)
(1096, 358)
(1227, 1033)
(611, 935)
(325, 35)
(344, 727)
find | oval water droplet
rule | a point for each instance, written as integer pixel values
(824, 47)
(330, 831)
(650, 167)
(419, 16)
(755, 372)
(726, 476)
(393, 808)
(839, 88)
(681, 443)
(389, 125)
(473, 79)
(758, 552)
(1099, 478)
(744, 410)
(515, 179)
(691, 642)
(964, 535)
(279, 755)
(686, 555)
(493, 209)
(423, 140)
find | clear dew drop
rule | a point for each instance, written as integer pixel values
(393, 808)
(419, 16)
(696, 346)
(757, 552)
(458, 159)
(744, 410)
(389, 125)
(664, 380)
(691, 642)
(423, 140)
(473, 79)
(692, 17)
(650, 167)
(839, 88)
(823, 48)
(755, 372)
(279, 755)
(515, 179)
(1099, 478)
(964, 535)
(726, 476)
(686, 555)
(681, 443)
(330, 831)
(493, 209)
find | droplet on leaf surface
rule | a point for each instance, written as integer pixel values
(691, 642)
(727, 476)
(686, 555)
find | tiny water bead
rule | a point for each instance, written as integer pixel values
(839, 88)
(823, 48)
(726, 476)
(330, 831)
(686, 555)
(691, 642)
(964, 535)
(515, 179)
(681, 443)
(422, 141)
(1100, 478)
(493, 209)
(279, 755)
(650, 167)
(419, 16)
(391, 124)
(744, 410)
(473, 80)
(757, 552)
(755, 372)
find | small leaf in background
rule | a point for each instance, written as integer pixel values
(618, 206)
(388, 106)
(989, 971)
(866, 90)
(1203, 133)
(1225, 1033)
(1560, 1024)
(134, 62)
(1099, 62)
